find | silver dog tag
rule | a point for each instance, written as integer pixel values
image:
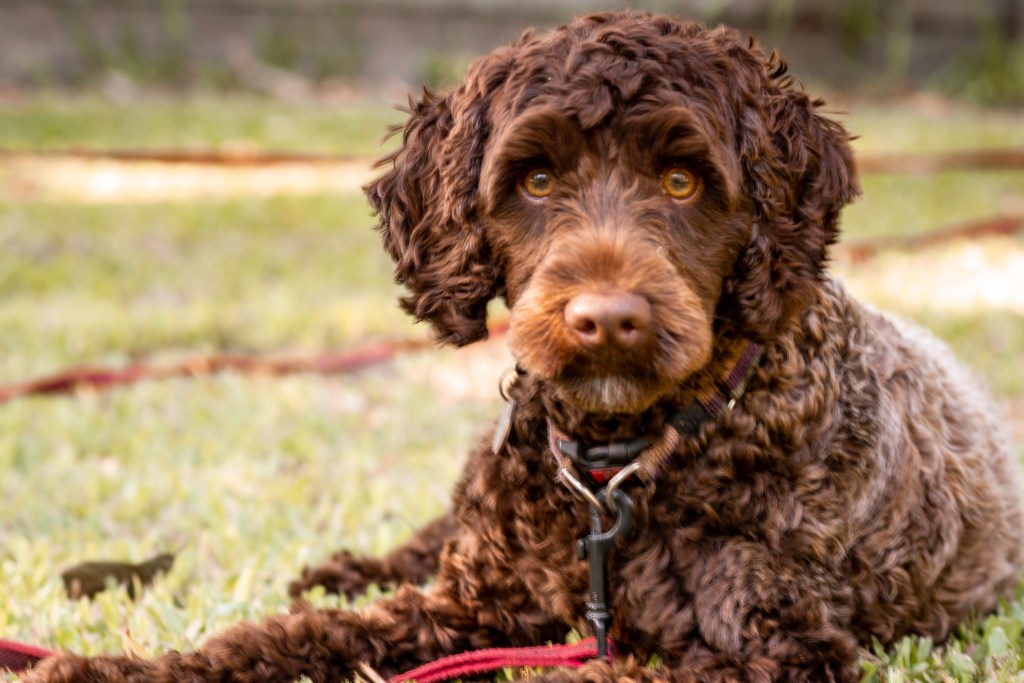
(504, 426)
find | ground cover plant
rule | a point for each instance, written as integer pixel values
(247, 477)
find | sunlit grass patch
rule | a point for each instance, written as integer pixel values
(54, 121)
(964, 292)
(986, 649)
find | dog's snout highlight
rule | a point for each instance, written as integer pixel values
(608, 319)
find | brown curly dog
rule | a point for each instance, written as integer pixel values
(654, 200)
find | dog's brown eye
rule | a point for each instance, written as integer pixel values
(539, 183)
(679, 183)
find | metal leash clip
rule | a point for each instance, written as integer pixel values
(596, 548)
(615, 482)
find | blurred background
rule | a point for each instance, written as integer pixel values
(200, 351)
(297, 49)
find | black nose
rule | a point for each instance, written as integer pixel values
(608, 319)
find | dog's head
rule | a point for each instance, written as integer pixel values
(626, 182)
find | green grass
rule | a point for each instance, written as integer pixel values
(986, 650)
(107, 282)
(200, 121)
(894, 204)
(248, 478)
(932, 126)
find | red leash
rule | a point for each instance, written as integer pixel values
(476, 662)
(18, 656)
(329, 363)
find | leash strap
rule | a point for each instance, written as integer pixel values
(735, 382)
(17, 657)
(477, 662)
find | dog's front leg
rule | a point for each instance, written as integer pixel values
(748, 615)
(701, 665)
(474, 604)
(318, 644)
(415, 561)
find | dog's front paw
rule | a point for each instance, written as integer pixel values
(600, 671)
(343, 573)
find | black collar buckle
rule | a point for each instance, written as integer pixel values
(602, 462)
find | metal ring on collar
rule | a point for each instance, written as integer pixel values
(508, 377)
(576, 486)
(616, 481)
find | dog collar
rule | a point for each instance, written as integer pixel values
(599, 463)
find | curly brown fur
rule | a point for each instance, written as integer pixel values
(350, 575)
(859, 489)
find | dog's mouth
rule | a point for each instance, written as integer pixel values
(609, 394)
(615, 361)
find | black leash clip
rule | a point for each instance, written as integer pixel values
(596, 548)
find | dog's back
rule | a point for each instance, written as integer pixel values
(938, 533)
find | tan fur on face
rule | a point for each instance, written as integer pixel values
(607, 260)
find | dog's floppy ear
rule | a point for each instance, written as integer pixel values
(426, 204)
(799, 172)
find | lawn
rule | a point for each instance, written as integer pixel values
(248, 477)
(58, 121)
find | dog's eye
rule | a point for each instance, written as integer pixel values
(539, 183)
(679, 183)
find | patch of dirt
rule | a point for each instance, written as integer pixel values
(106, 180)
(472, 372)
(962, 276)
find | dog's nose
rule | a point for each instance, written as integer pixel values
(600, 319)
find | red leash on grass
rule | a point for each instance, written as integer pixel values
(17, 657)
(329, 363)
(572, 655)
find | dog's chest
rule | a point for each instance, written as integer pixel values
(656, 552)
(657, 573)
(694, 521)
